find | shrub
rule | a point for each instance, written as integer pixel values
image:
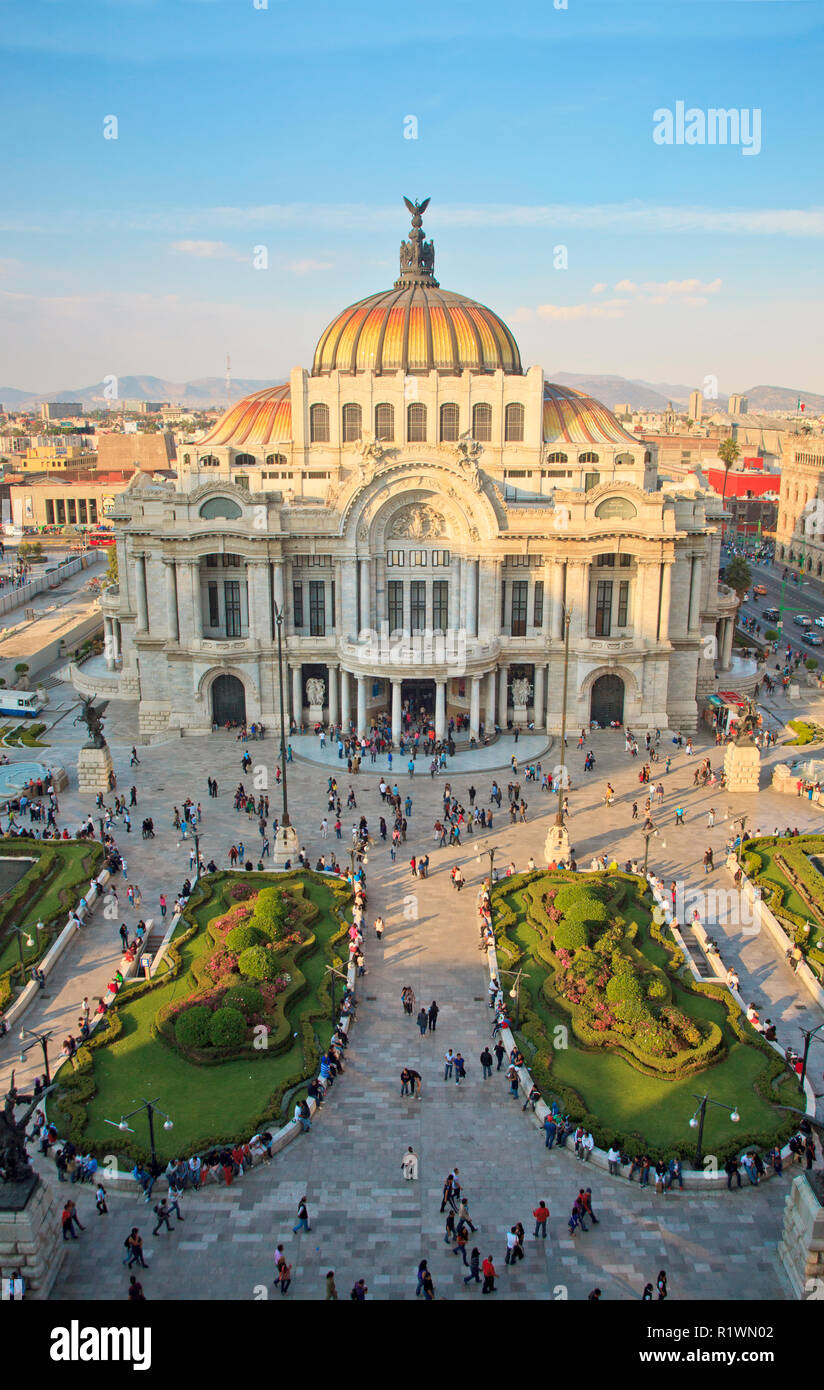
(258, 963)
(657, 990)
(270, 913)
(570, 935)
(245, 998)
(241, 938)
(771, 634)
(624, 987)
(587, 909)
(811, 663)
(239, 892)
(570, 894)
(192, 1028)
(227, 1028)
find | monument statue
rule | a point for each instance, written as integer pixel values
(417, 258)
(92, 716)
(14, 1160)
(748, 723)
(315, 690)
(521, 690)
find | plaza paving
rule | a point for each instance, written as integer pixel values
(367, 1220)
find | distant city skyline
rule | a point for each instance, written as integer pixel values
(240, 128)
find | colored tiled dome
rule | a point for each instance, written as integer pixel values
(570, 417)
(263, 418)
(416, 326)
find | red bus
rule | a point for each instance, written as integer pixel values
(101, 538)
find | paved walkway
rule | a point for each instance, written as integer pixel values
(368, 1221)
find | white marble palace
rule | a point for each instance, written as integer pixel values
(425, 514)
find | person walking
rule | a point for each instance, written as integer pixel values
(541, 1214)
(500, 1053)
(486, 1063)
(303, 1217)
(423, 1270)
(448, 1064)
(474, 1275)
(490, 1275)
(409, 1164)
(100, 1199)
(331, 1288)
(163, 1214)
(447, 1192)
(423, 1021)
(433, 1016)
(134, 1248)
(285, 1276)
(135, 1293)
(661, 1285)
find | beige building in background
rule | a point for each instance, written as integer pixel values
(799, 537)
(425, 514)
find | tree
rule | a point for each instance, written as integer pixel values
(728, 452)
(738, 575)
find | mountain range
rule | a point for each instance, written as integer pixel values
(210, 391)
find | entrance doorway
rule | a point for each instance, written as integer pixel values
(228, 701)
(607, 701)
(417, 696)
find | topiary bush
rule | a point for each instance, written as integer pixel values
(245, 998)
(624, 987)
(242, 937)
(270, 913)
(227, 1028)
(569, 935)
(192, 1028)
(258, 963)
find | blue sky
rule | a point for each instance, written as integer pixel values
(284, 127)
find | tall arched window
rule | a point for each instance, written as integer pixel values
(514, 424)
(186, 458)
(416, 423)
(450, 423)
(557, 458)
(587, 458)
(352, 428)
(275, 460)
(208, 461)
(319, 424)
(648, 456)
(244, 461)
(482, 423)
(385, 421)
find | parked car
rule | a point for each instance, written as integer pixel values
(813, 639)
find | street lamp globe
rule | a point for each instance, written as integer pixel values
(123, 1125)
(22, 1034)
(29, 940)
(734, 1116)
(167, 1124)
(693, 1123)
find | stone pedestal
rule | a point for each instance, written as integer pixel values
(520, 718)
(286, 846)
(556, 845)
(30, 1236)
(801, 1246)
(783, 779)
(94, 766)
(315, 715)
(742, 765)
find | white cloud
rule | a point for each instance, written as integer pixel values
(599, 288)
(662, 290)
(606, 309)
(208, 250)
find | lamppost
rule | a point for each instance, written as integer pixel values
(648, 834)
(697, 1121)
(557, 840)
(741, 821)
(279, 624)
(515, 992)
(22, 935)
(197, 855)
(808, 1034)
(43, 1040)
(333, 975)
(150, 1106)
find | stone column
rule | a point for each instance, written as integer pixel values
(578, 597)
(548, 577)
(140, 585)
(695, 595)
(491, 691)
(297, 694)
(361, 729)
(365, 596)
(396, 711)
(171, 601)
(503, 680)
(118, 639)
(666, 598)
(332, 694)
(197, 602)
(474, 706)
(556, 603)
(538, 701)
(277, 583)
(472, 598)
(345, 700)
(108, 642)
(726, 648)
(440, 709)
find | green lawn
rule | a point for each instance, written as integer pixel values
(45, 898)
(629, 1101)
(772, 874)
(222, 1099)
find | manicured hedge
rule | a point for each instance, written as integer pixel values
(227, 1028)
(192, 1027)
(259, 963)
(241, 938)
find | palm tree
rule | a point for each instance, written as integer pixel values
(728, 452)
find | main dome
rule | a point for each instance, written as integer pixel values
(416, 326)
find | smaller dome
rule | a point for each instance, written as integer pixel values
(262, 418)
(571, 417)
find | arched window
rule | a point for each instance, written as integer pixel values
(385, 421)
(319, 424)
(587, 458)
(482, 423)
(514, 424)
(624, 460)
(416, 423)
(244, 461)
(186, 458)
(352, 428)
(557, 458)
(648, 456)
(276, 460)
(217, 507)
(450, 423)
(208, 461)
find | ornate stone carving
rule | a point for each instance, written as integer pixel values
(417, 523)
(474, 533)
(370, 449)
(417, 259)
(363, 534)
(521, 690)
(468, 450)
(315, 690)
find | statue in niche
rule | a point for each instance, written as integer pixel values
(316, 690)
(521, 690)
